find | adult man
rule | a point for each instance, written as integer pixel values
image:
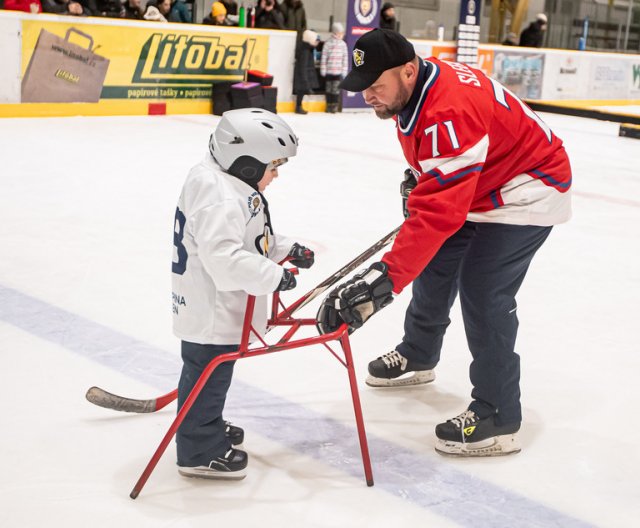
(489, 180)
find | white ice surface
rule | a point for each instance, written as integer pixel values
(85, 243)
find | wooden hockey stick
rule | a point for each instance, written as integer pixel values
(102, 398)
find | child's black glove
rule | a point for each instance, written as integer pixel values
(301, 256)
(287, 282)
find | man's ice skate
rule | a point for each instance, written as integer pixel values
(468, 436)
(234, 433)
(231, 466)
(394, 370)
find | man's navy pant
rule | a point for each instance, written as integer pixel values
(485, 263)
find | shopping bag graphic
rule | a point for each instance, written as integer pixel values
(63, 72)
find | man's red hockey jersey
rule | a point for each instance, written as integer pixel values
(479, 154)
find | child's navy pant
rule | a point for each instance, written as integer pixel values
(201, 436)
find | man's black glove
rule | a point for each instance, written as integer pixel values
(301, 256)
(328, 318)
(356, 300)
(287, 282)
(407, 185)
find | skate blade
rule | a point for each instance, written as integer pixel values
(416, 378)
(495, 446)
(205, 472)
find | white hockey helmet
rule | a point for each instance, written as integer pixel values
(247, 140)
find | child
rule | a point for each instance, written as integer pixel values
(225, 250)
(334, 66)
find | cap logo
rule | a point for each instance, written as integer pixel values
(358, 57)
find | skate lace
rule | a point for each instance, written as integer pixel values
(464, 419)
(393, 359)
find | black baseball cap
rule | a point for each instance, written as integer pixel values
(374, 53)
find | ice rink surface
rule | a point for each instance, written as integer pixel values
(86, 244)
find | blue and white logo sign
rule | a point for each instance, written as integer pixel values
(365, 10)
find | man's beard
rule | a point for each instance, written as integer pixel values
(396, 106)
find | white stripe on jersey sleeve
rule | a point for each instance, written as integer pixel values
(471, 156)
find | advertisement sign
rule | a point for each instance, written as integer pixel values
(449, 53)
(608, 79)
(74, 62)
(362, 16)
(566, 76)
(520, 72)
(634, 91)
(60, 71)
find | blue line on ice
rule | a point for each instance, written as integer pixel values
(423, 480)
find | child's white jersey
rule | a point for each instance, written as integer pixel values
(222, 238)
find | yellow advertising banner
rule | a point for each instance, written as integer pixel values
(62, 61)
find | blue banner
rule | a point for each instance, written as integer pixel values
(362, 16)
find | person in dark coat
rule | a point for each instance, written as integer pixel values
(295, 17)
(231, 6)
(305, 78)
(269, 16)
(179, 12)
(133, 10)
(388, 17)
(532, 36)
(65, 7)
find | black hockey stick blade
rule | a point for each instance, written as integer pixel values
(105, 399)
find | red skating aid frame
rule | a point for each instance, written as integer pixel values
(283, 318)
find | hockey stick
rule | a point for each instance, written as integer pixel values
(102, 398)
(343, 271)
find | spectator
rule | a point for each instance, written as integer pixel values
(268, 15)
(510, 40)
(334, 65)
(28, 6)
(218, 16)
(231, 6)
(305, 79)
(132, 10)
(295, 17)
(532, 36)
(179, 12)
(105, 8)
(64, 7)
(388, 17)
(154, 11)
(164, 6)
